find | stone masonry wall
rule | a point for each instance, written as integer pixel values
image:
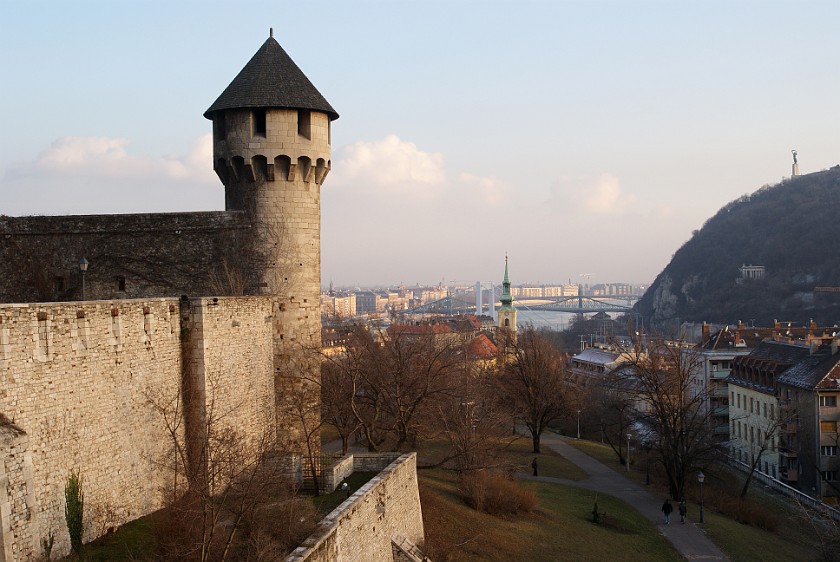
(362, 528)
(87, 383)
(156, 255)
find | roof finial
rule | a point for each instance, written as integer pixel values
(271, 32)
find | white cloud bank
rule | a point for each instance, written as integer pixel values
(100, 175)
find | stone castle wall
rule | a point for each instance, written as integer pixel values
(88, 387)
(156, 255)
(384, 510)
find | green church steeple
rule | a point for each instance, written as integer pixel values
(507, 313)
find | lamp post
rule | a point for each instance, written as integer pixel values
(700, 478)
(83, 266)
(628, 452)
(578, 425)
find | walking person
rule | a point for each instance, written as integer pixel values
(667, 509)
(683, 511)
(534, 466)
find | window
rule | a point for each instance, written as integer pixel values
(304, 123)
(765, 409)
(120, 284)
(752, 409)
(828, 426)
(220, 126)
(828, 450)
(828, 401)
(739, 430)
(733, 397)
(58, 284)
(829, 475)
(258, 122)
(772, 413)
(739, 400)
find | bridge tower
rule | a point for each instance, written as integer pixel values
(271, 150)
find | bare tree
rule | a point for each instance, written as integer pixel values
(675, 419)
(763, 438)
(337, 396)
(221, 481)
(611, 404)
(531, 382)
(392, 381)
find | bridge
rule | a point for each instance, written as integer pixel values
(463, 302)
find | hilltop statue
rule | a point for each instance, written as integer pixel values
(795, 161)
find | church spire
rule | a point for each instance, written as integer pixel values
(506, 298)
(507, 313)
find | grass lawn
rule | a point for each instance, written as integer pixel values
(560, 529)
(517, 454)
(793, 540)
(327, 502)
(132, 541)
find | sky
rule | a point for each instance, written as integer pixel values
(586, 140)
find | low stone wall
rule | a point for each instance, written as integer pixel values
(364, 526)
(338, 472)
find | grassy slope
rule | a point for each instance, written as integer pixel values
(793, 540)
(561, 528)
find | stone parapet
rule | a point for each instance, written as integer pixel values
(363, 527)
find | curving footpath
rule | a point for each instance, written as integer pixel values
(688, 539)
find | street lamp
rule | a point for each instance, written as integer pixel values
(578, 425)
(83, 265)
(700, 478)
(628, 452)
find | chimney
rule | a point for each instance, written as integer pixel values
(741, 325)
(776, 324)
(705, 335)
(812, 324)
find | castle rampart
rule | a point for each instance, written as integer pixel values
(130, 256)
(385, 510)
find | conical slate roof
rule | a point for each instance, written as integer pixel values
(271, 79)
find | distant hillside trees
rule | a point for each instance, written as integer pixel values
(789, 228)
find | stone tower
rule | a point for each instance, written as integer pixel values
(271, 149)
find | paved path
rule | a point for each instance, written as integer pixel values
(688, 539)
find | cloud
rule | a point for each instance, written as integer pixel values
(390, 165)
(601, 195)
(488, 191)
(93, 157)
(101, 175)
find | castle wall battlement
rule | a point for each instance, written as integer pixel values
(130, 256)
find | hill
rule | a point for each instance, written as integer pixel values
(792, 229)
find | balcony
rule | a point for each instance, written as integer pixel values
(791, 428)
(720, 391)
(788, 474)
(722, 429)
(721, 411)
(720, 374)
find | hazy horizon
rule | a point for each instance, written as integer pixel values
(575, 137)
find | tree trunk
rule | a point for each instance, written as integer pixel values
(535, 439)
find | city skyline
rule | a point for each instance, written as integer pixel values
(579, 138)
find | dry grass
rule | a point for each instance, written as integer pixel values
(560, 528)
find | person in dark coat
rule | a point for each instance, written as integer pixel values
(534, 465)
(683, 510)
(667, 509)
